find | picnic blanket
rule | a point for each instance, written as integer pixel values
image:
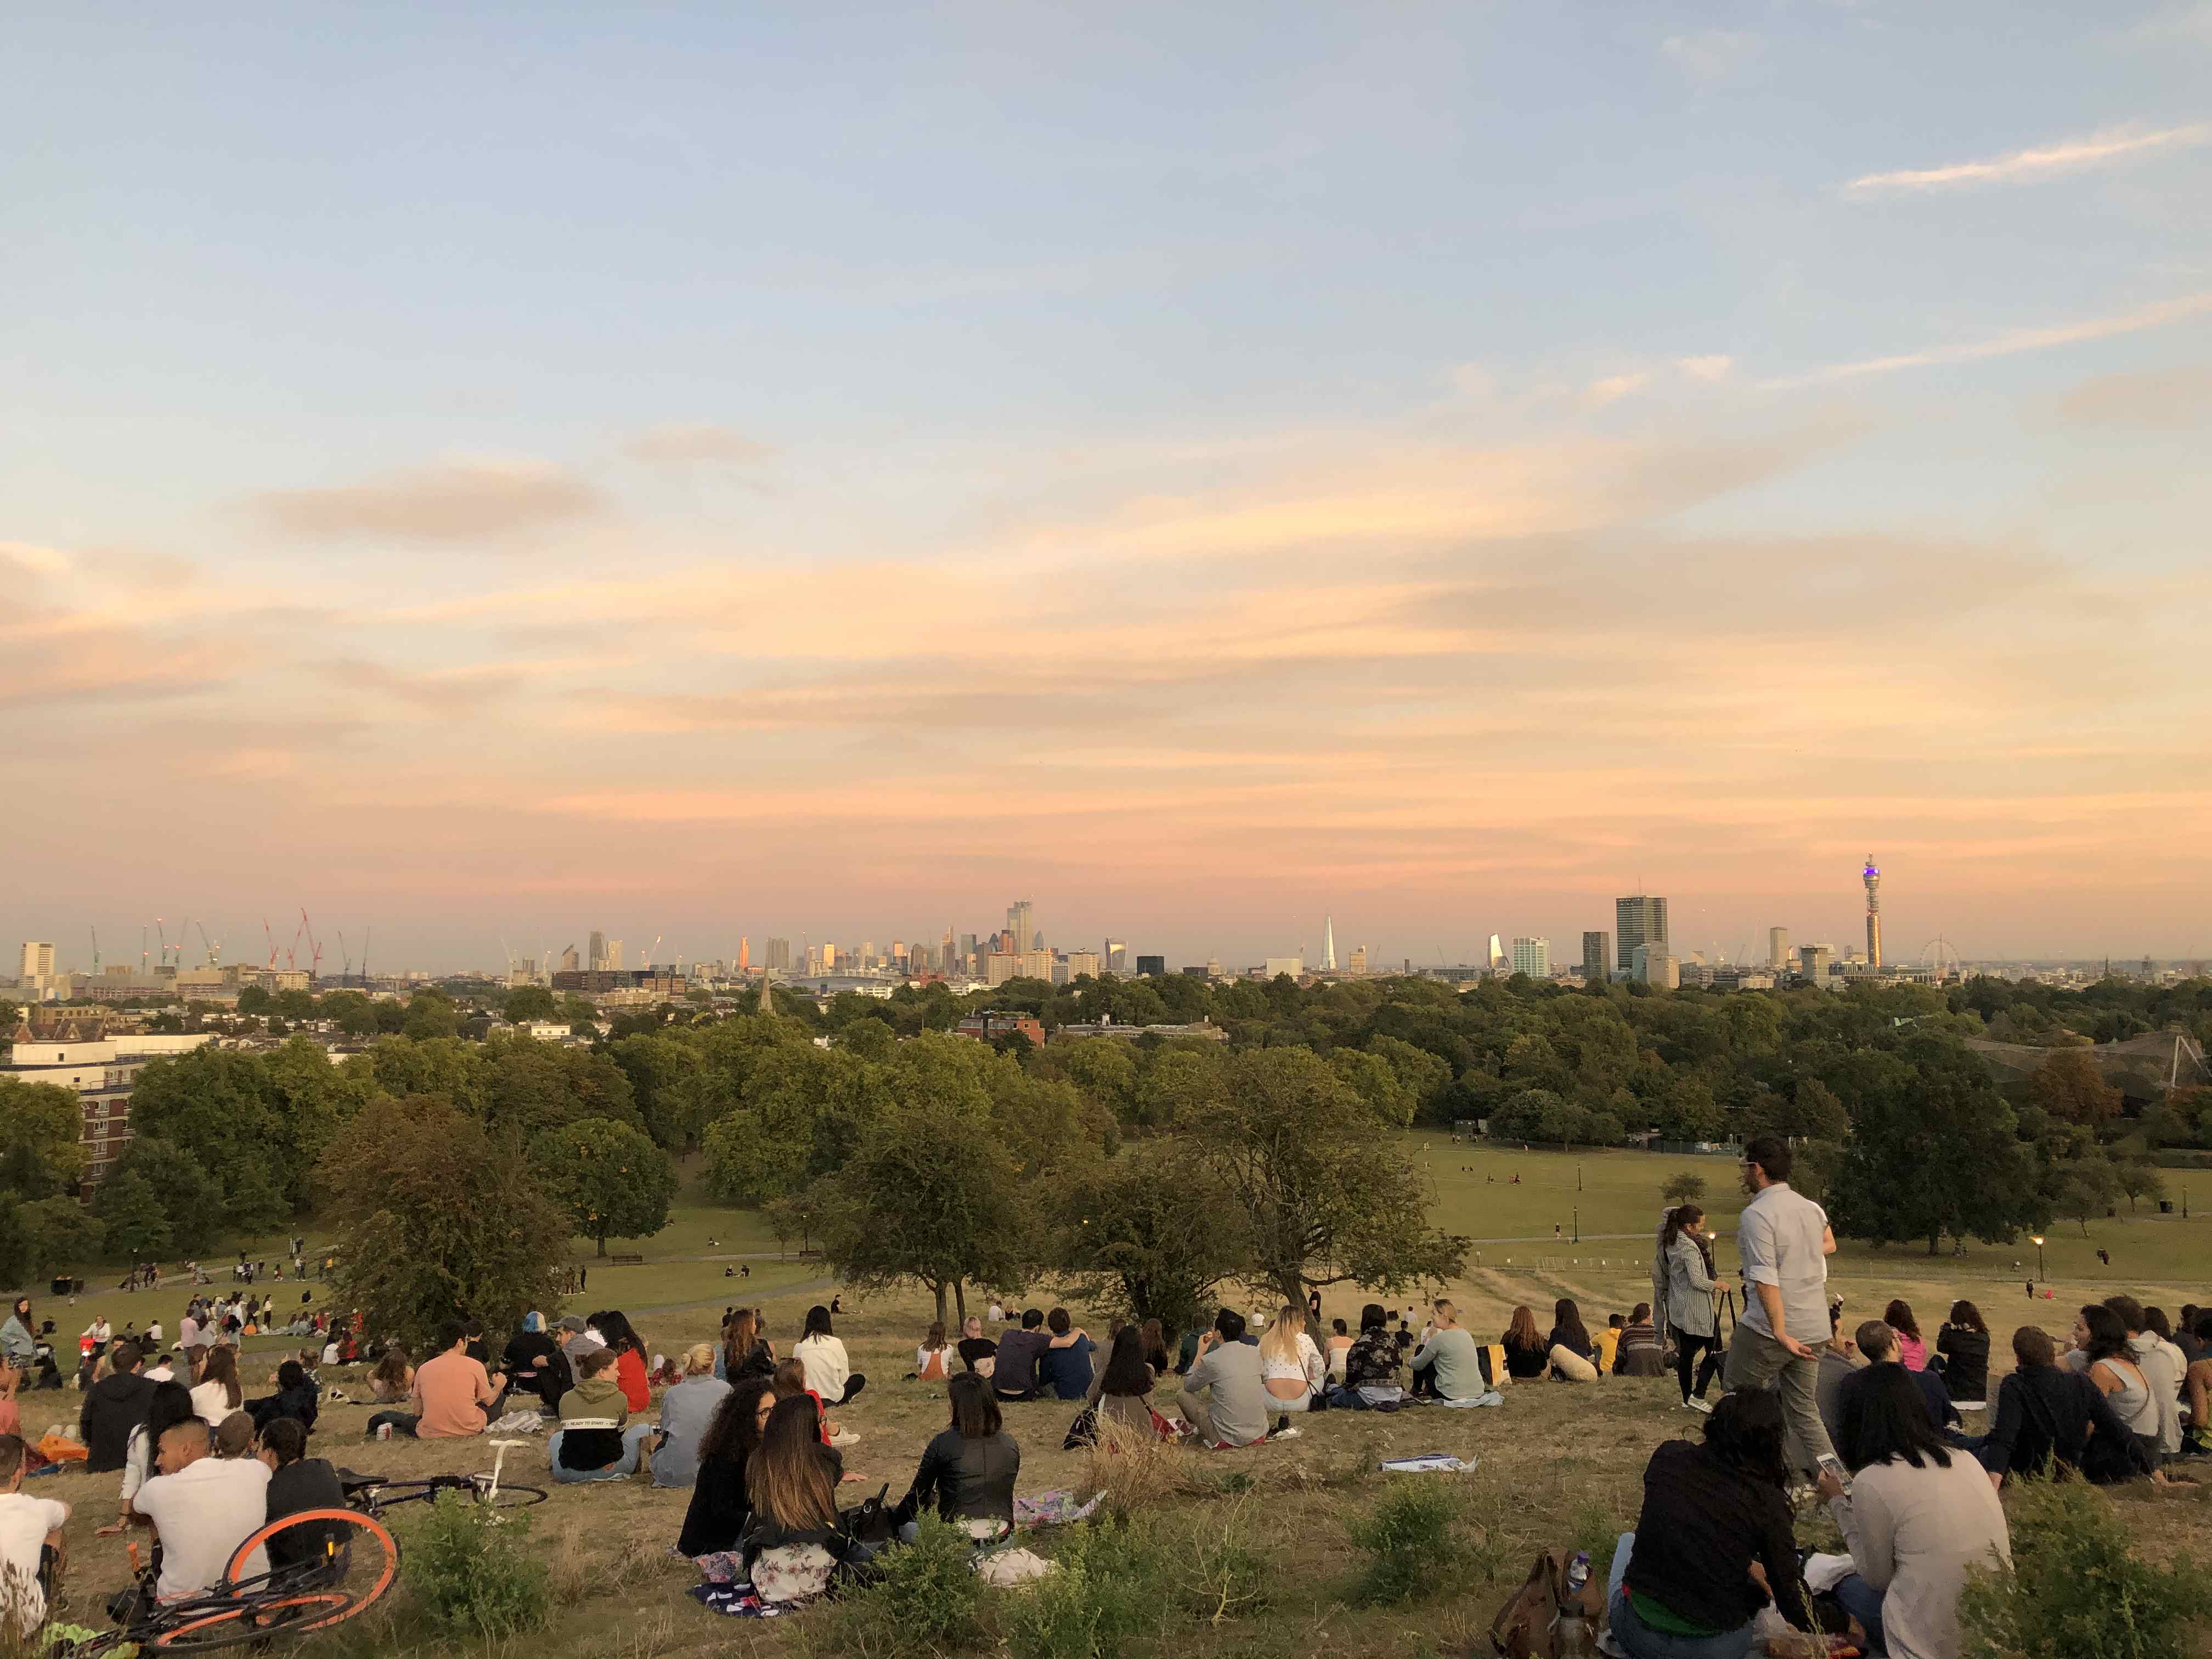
(1053, 1509)
(1438, 1462)
(736, 1602)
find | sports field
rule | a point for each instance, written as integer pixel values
(1560, 1463)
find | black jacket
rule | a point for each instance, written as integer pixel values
(1703, 1525)
(300, 1403)
(112, 1408)
(2045, 1412)
(1965, 1356)
(719, 1509)
(967, 1480)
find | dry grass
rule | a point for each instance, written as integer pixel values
(1134, 1470)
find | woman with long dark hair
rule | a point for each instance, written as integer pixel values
(218, 1393)
(1962, 1356)
(715, 1519)
(1687, 1299)
(1573, 1354)
(2102, 1338)
(1121, 1392)
(1715, 1527)
(1911, 1352)
(1917, 1517)
(1155, 1348)
(614, 1329)
(746, 1352)
(969, 1470)
(791, 1481)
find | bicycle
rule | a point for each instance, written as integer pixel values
(372, 1494)
(334, 1564)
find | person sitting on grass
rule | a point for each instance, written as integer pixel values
(1528, 1356)
(829, 1373)
(1015, 1374)
(1918, 1517)
(686, 1410)
(1121, 1391)
(791, 1482)
(978, 1353)
(596, 1440)
(1370, 1364)
(1573, 1356)
(296, 1398)
(393, 1379)
(29, 1527)
(1911, 1352)
(1962, 1355)
(932, 1360)
(2048, 1415)
(1225, 1399)
(1449, 1357)
(1065, 1366)
(1641, 1352)
(1290, 1366)
(452, 1395)
(535, 1364)
(969, 1470)
(116, 1405)
(2101, 1337)
(297, 1482)
(202, 1508)
(715, 1519)
(1714, 1543)
(629, 1350)
(1339, 1346)
(218, 1394)
(746, 1353)
(1878, 1345)
(170, 1404)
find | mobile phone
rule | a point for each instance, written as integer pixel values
(1834, 1465)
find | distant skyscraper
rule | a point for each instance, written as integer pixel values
(1653, 966)
(598, 954)
(1019, 925)
(1778, 948)
(1497, 954)
(1872, 877)
(1597, 952)
(1359, 963)
(1329, 944)
(1533, 956)
(1117, 956)
(1155, 966)
(613, 956)
(777, 955)
(568, 960)
(1639, 919)
(745, 953)
(1813, 960)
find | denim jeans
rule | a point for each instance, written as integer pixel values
(1863, 1602)
(621, 1469)
(1639, 1643)
(402, 1423)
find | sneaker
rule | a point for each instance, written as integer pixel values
(844, 1437)
(1694, 1404)
(384, 1431)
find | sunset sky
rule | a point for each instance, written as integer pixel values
(499, 473)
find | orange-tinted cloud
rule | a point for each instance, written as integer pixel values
(452, 501)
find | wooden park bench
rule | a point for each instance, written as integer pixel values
(626, 1260)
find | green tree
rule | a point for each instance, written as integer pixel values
(131, 1219)
(1328, 1197)
(747, 1165)
(191, 1199)
(39, 1127)
(2138, 1177)
(1920, 1116)
(61, 1233)
(527, 1002)
(1683, 1186)
(438, 1220)
(929, 1198)
(1148, 1235)
(430, 1014)
(2067, 1085)
(2083, 1188)
(612, 1179)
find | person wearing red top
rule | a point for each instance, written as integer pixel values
(629, 1358)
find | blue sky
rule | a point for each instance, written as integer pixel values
(1228, 452)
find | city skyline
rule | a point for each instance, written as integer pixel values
(1439, 469)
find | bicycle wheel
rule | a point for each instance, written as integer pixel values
(326, 1565)
(209, 1622)
(508, 1497)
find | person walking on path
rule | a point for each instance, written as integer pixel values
(1784, 1240)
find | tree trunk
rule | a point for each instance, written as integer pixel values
(603, 1243)
(939, 1287)
(1934, 1239)
(960, 1301)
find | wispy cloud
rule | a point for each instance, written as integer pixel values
(34, 560)
(2173, 398)
(1612, 389)
(2042, 161)
(457, 501)
(2009, 344)
(697, 442)
(1716, 367)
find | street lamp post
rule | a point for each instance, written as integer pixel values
(2041, 1275)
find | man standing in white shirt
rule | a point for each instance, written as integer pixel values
(1784, 1240)
(202, 1508)
(28, 1526)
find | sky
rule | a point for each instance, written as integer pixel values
(481, 475)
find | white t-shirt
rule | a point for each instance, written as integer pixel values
(211, 1403)
(153, 1334)
(188, 1332)
(827, 1367)
(161, 1373)
(203, 1514)
(25, 1521)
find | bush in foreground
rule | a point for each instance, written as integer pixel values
(2075, 1591)
(472, 1571)
(1411, 1536)
(1111, 1592)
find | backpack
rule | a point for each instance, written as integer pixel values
(1539, 1619)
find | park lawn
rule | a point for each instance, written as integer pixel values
(1560, 1465)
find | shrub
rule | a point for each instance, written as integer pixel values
(2074, 1591)
(1410, 1534)
(1113, 1587)
(471, 1572)
(1133, 1469)
(924, 1594)
(1222, 1570)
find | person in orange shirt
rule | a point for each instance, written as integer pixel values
(453, 1395)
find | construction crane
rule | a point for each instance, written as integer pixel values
(95, 954)
(162, 934)
(346, 958)
(214, 949)
(271, 938)
(651, 948)
(314, 946)
(364, 957)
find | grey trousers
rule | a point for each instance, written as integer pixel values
(1756, 1360)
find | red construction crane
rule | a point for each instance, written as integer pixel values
(314, 945)
(271, 938)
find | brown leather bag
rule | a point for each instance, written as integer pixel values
(1530, 1624)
